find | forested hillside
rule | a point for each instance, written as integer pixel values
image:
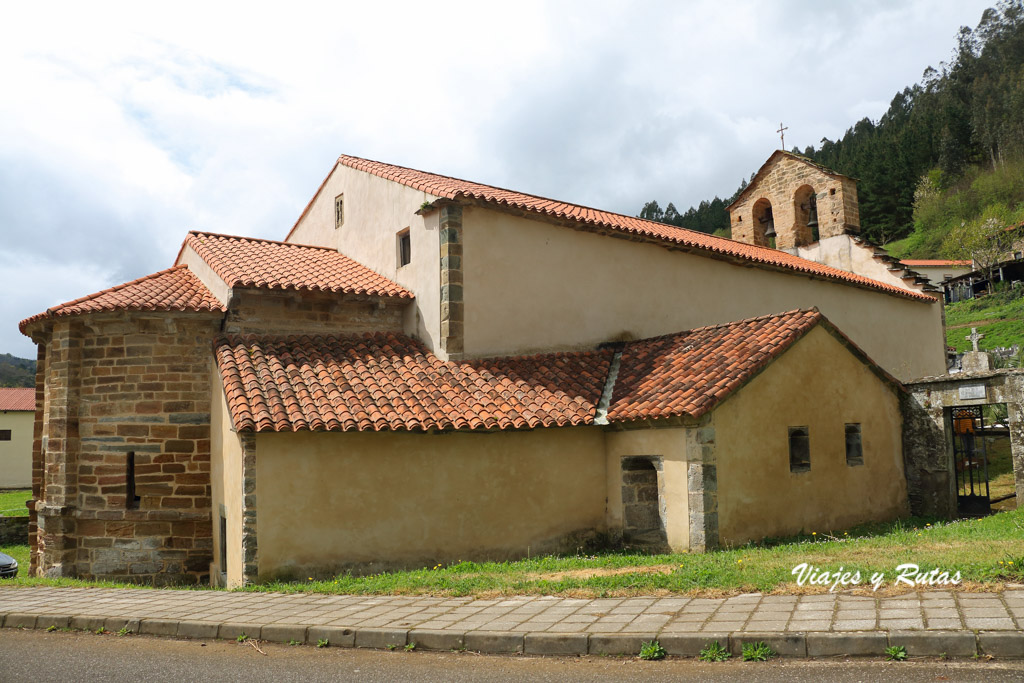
(17, 372)
(939, 138)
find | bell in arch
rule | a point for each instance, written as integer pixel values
(812, 211)
(768, 221)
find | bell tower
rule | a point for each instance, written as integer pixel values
(793, 202)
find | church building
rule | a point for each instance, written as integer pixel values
(429, 369)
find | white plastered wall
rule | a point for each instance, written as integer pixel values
(376, 210)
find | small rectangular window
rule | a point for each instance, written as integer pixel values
(854, 448)
(339, 210)
(131, 500)
(799, 449)
(404, 248)
(5, 434)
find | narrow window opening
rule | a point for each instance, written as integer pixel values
(339, 210)
(404, 248)
(131, 499)
(854, 447)
(799, 449)
(223, 542)
(5, 434)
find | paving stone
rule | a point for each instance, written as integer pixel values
(198, 629)
(690, 645)
(853, 624)
(934, 643)
(868, 643)
(900, 624)
(429, 639)
(233, 631)
(618, 643)
(45, 621)
(1002, 643)
(159, 627)
(556, 643)
(19, 620)
(993, 624)
(785, 645)
(496, 642)
(381, 638)
(87, 623)
(336, 636)
(808, 626)
(115, 624)
(765, 626)
(944, 624)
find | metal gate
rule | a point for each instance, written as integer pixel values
(971, 459)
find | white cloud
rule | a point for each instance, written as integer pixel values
(125, 124)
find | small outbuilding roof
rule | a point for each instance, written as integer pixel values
(18, 399)
(391, 382)
(174, 289)
(250, 262)
(378, 382)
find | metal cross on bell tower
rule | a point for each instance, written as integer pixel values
(782, 133)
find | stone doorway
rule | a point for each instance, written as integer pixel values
(643, 505)
(963, 443)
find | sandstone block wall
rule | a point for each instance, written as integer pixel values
(120, 384)
(785, 184)
(288, 313)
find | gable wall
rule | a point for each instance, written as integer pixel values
(838, 211)
(375, 211)
(532, 286)
(819, 384)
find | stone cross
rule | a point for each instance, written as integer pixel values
(782, 132)
(973, 337)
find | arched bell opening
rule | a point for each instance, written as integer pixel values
(805, 210)
(764, 224)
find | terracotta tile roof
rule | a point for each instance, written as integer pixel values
(933, 262)
(17, 399)
(249, 262)
(174, 289)
(452, 188)
(391, 382)
(691, 372)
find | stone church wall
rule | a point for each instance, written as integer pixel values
(120, 384)
(296, 313)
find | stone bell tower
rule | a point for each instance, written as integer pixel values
(794, 202)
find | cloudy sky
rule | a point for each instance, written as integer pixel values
(124, 125)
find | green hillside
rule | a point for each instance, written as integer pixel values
(1000, 317)
(17, 372)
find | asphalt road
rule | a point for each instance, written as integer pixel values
(41, 657)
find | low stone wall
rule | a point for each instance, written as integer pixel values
(13, 530)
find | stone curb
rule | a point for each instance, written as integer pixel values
(1001, 644)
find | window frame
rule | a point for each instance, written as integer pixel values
(339, 210)
(6, 435)
(799, 462)
(858, 459)
(403, 244)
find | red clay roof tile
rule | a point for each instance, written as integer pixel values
(689, 373)
(18, 399)
(391, 382)
(174, 289)
(453, 188)
(249, 262)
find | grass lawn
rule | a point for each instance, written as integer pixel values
(12, 503)
(987, 552)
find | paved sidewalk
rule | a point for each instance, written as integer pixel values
(926, 623)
